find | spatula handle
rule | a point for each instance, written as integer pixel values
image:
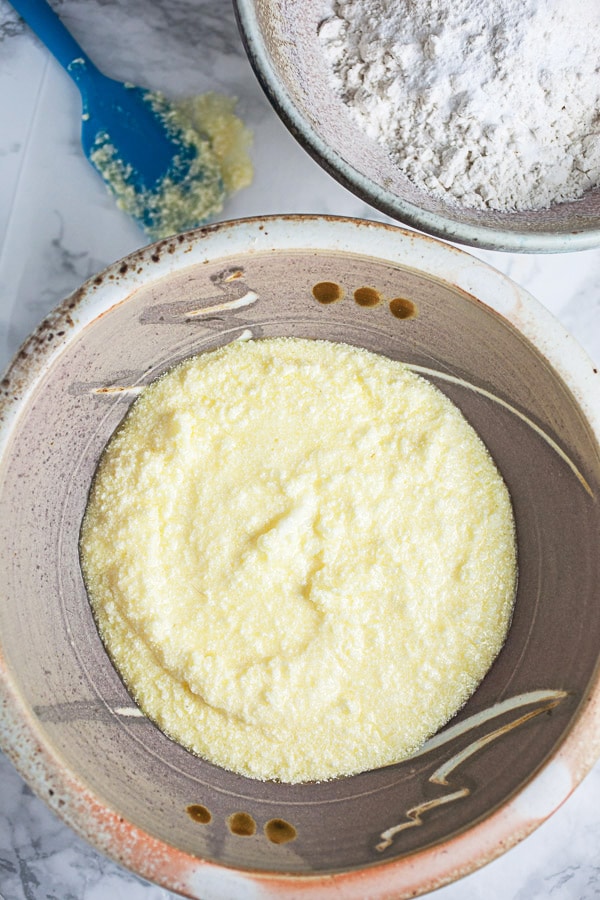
(45, 23)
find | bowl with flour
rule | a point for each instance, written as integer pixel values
(156, 450)
(474, 122)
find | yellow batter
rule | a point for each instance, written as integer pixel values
(300, 556)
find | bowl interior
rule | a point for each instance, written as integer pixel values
(281, 38)
(534, 429)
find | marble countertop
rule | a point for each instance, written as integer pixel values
(58, 227)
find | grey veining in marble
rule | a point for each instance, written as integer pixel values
(58, 227)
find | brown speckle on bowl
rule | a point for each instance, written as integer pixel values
(367, 296)
(199, 813)
(278, 831)
(402, 308)
(327, 292)
(242, 824)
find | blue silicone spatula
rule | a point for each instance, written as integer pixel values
(127, 133)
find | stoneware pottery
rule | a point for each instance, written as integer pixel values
(528, 734)
(281, 39)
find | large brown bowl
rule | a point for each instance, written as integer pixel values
(528, 734)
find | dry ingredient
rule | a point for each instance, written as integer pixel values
(222, 166)
(301, 557)
(488, 105)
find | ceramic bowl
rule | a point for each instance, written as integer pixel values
(527, 735)
(281, 40)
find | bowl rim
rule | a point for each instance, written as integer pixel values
(21, 736)
(404, 212)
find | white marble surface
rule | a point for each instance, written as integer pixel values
(58, 227)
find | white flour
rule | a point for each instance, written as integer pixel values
(489, 104)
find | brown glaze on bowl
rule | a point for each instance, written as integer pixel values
(67, 720)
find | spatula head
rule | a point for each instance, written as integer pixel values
(166, 177)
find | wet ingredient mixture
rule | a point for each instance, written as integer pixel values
(300, 556)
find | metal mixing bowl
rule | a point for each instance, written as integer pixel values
(283, 47)
(530, 731)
